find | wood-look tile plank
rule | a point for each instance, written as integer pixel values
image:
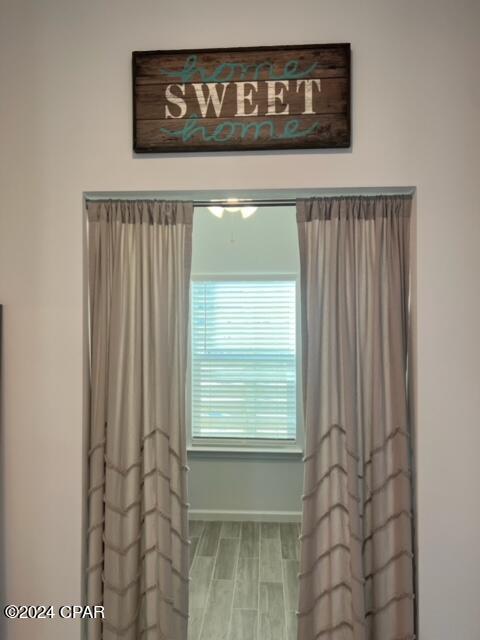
(195, 623)
(226, 558)
(218, 612)
(192, 549)
(231, 530)
(249, 544)
(272, 612)
(292, 629)
(246, 584)
(269, 530)
(201, 576)
(289, 539)
(270, 560)
(244, 625)
(290, 580)
(195, 528)
(209, 541)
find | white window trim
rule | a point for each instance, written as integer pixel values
(229, 447)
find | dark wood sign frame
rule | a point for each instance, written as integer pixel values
(173, 82)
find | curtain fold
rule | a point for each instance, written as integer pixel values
(139, 273)
(356, 567)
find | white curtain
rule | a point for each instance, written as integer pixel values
(356, 580)
(139, 263)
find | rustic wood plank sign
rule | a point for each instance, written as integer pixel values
(241, 99)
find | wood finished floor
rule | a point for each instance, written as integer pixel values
(243, 581)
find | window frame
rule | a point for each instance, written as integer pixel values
(238, 447)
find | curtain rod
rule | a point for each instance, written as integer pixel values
(259, 202)
(220, 202)
(286, 202)
(226, 202)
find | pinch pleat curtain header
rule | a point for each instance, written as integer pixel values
(354, 208)
(140, 211)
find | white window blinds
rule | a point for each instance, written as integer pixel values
(244, 359)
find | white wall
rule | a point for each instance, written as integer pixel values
(266, 243)
(65, 118)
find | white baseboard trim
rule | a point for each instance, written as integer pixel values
(246, 516)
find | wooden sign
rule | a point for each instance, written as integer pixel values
(241, 99)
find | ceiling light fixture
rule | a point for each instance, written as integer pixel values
(233, 207)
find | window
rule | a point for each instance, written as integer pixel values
(244, 382)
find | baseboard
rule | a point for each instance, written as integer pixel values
(246, 516)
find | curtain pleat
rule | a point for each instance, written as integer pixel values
(356, 571)
(139, 272)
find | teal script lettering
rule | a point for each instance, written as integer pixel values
(228, 129)
(226, 71)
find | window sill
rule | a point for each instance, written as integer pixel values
(202, 452)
